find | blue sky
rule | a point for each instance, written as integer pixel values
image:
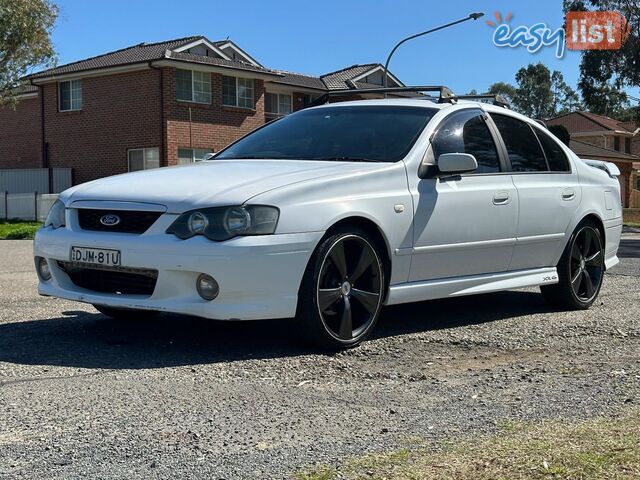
(296, 36)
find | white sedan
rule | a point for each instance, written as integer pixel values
(333, 212)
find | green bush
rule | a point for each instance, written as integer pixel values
(13, 230)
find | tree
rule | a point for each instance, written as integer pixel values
(25, 42)
(604, 73)
(533, 94)
(539, 93)
(606, 100)
(565, 98)
(561, 132)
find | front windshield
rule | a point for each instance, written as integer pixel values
(351, 133)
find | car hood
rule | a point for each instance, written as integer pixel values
(212, 183)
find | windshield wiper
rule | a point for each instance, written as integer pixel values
(345, 159)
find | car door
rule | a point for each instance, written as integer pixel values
(463, 224)
(548, 192)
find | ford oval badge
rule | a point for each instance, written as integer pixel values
(110, 220)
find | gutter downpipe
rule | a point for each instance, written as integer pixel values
(164, 160)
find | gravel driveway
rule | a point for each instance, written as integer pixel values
(82, 396)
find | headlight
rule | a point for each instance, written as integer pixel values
(223, 223)
(55, 217)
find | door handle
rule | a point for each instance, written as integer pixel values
(568, 194)
(501, 198)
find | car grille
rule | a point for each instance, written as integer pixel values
(117, 280)
(130, 221)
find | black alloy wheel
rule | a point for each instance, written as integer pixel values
(343, 290)
(580, 270)
(587, 264)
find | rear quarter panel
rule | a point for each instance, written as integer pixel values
(600, 197)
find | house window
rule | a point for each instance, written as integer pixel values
(143, 158)
(237, 92)
(70, 95)
(192, 86)
(627, 145)
(277, 105)
(190, 155)
(616, 144)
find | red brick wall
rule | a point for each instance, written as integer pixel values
(635, 145)
(626, 177)
(212, 126)
(298, 101)
(20, 138)
(119, 112)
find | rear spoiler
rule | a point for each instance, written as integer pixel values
(611, 168)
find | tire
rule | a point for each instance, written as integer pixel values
(342, 290)
(128, 314)
(580, 270)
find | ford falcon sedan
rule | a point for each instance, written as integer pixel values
(331, 213)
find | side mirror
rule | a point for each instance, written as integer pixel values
(452, 163)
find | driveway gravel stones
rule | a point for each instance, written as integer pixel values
(82, 396)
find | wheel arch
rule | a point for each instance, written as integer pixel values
(595, 218)
(375, 231)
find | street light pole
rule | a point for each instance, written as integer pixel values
(472, 16)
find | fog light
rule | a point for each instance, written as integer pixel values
(42, 268)
(207, 287)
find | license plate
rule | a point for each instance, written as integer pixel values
(97, 256)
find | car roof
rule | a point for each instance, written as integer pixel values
(430, 103)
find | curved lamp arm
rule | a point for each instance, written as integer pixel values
(472, 16)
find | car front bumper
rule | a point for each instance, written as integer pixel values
(259, 276)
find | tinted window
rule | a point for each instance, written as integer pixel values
(467, 132)
(523, 148)
(376, 133)
(556, 158)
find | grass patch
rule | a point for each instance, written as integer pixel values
(632, 224)
(600, 448)
(16, 230)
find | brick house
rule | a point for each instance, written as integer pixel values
(154, 105)
(602, 138)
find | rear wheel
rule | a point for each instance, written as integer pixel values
(124, 313)
(580, 270)
(342, 291)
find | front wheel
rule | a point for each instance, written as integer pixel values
(342, 290)
(580, 270)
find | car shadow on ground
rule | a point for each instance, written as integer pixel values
(91, 340)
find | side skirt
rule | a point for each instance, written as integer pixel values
(471, 285)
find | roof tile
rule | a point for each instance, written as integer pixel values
(143, 52)
(587, 150)
(338, 80)
(148, 52)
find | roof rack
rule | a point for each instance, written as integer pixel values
(498, 99)
(445, 95)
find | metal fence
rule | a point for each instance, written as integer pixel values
(28, 180)
(26, 206)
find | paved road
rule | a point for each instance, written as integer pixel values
(85, 397)
(629, 248)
